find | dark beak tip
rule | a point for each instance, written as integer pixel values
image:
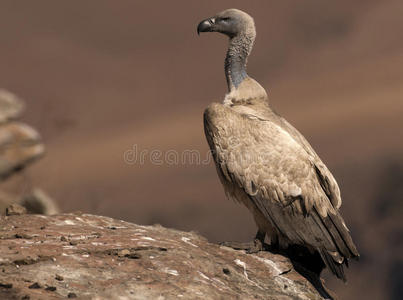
(204, 26)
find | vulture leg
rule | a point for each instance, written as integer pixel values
(258, 243)
(255, 246)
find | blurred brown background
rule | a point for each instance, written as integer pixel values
(101, 76)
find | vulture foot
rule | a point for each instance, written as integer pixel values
(250, 247)
(255, 246)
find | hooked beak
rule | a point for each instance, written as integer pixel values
(206, 25)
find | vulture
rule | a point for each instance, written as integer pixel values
(267, 165)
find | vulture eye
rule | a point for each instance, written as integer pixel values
(223, 19)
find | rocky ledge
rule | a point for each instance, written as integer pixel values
(92, 257)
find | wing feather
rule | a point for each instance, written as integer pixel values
(326, 178)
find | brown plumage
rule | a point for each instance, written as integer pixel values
(266, 164)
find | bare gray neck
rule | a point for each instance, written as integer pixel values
(236, 60)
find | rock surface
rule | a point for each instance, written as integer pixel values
(94, 257)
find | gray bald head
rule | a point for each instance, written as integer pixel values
(231, 22)
(240, 28)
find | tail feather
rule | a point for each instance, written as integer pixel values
(344, 234)
(336, 255)
(334, 266)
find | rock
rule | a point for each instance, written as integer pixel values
(15, 210)
(35, 286)
(20, 145)
(10, 106)
(6, 199)
(133, 262)
(38, 202)
(59, 278)
(35, 201)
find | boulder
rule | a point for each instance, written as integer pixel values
(15, 210)
(95, 257)
(10, 106)
(20, 145)
(39, 202)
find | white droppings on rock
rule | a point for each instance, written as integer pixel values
(42, 216)
(75, 257)
(275, 270)
(69, 222)
(240, 263)
(96, 243)
(187, 241)
(78, 237)
(147, 238)
(68, 247)
(170, 271)
(203, 275)
(243, 265)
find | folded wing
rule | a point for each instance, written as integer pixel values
(284, 178)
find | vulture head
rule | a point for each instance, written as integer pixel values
(231, 22)
(240, 28)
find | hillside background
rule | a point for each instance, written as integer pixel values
(99, 77)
